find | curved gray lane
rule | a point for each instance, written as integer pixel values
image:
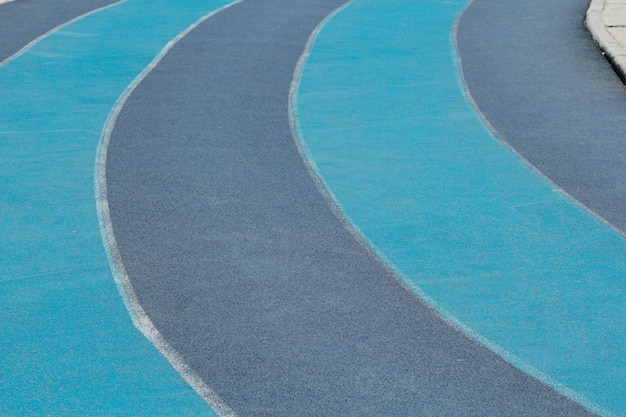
(535, 73)
(244, 267)
(22, 21)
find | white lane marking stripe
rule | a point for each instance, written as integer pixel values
(138, 315)
(301, 145)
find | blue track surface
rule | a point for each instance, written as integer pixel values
(246, 268)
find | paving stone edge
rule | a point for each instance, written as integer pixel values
(611, 48)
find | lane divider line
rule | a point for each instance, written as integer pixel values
(301, 146)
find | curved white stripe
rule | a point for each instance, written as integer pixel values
(301, 146)
(125, 288)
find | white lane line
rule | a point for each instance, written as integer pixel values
(125, 288)
(301, 145)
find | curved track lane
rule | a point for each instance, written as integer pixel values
(245, 266)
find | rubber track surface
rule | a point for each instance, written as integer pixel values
(244, 266)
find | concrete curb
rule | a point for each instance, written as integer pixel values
(613, 50)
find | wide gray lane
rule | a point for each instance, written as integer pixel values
(537, 76)
(22, 21)
(244, 267)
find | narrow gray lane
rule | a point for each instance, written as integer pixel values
(536, 74)
(245, 269)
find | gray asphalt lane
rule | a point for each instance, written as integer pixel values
(537, 76)
(244, 267)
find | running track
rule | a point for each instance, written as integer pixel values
(239, 255)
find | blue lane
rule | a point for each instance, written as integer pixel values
(492, 245)
(68, 346)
